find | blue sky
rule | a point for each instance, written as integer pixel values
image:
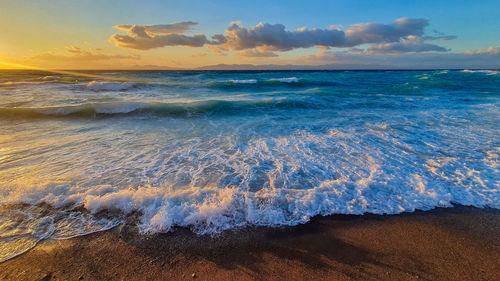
(33, 27)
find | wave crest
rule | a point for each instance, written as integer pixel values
(180, 109)
(109, 86)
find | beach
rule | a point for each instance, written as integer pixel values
(459, 243)
(268, 175)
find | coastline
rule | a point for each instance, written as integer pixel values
(459, 243)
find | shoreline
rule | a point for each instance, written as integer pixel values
(459, 243)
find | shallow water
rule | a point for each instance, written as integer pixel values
(218, 150)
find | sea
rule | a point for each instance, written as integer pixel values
(82, 151)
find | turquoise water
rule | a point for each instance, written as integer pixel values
(219, 150)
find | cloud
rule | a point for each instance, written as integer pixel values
(256, 53)
(263, 39)
(324, 48)
(440, 38)
(146, 43)
(197, 55)
(219, 50)
(487, 51)
(362, 60)
(77, 54)
(145, 37)
(151, 30)
(73, 49)
(410, 44)
(275, 37)
(365, 33)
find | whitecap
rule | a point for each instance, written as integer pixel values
(247, 81)
(286, 79)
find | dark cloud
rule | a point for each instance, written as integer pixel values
(440, 38)
(410, 44)
(146, 43)
(145, 37)
(151, 30)
(218, 39)
(368, 33)
(276, 38)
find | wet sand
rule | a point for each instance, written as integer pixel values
(460, 243)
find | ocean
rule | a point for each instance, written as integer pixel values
(219, 150)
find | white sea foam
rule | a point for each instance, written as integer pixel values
(357, 180)
(286, 80)
(487, 72)
(22, 228)
(109, 86)
(246, 81)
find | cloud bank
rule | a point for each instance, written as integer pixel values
(263, 39)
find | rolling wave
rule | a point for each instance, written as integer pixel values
(180, 109)
(109, 86)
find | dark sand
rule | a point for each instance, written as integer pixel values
(460, 243)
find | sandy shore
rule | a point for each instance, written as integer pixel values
(460, 243)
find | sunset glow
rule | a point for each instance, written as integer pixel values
(352, 34)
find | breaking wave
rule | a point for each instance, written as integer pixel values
(285, 82)
(487, 72)
(180, 109)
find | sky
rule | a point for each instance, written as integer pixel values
(112, 34)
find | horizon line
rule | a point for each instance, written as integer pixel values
(203, 68)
